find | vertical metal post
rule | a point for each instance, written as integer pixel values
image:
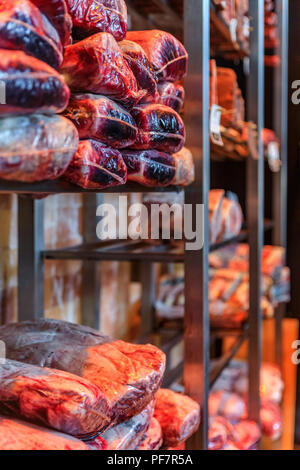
(30, 258)
(255, 202)
(196, 370)
(148, 281)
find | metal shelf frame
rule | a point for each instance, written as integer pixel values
(199, 374)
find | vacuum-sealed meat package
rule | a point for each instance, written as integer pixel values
(97, 117)
(247, 435)
(153, 438)
(52, 398)
(166, 54)
(57, 12)
(172, 95)
(141, 67)
(219, 433)
(185, 168)
(36, 147)
(97, 65)
(271, 420)
(128, 375)
(24, 27)
(18, 435)
(95, 166)
(159, 128)
(31, 85)
(96, 16)
(178, 415)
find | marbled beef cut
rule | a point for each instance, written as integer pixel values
(172, 95)
(52, 398)
(97, 117)
(36, 147)
(57, 12)
(159, 128)
(24, 27)
(18, 435)
(95, 166)
(153, 438)
(31, 86)
(97, 65)
(128, 374)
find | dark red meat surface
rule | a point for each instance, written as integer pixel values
(36, 147)
(23, 27)
(127, 374)
(31, 85)
(166, 54)
(172, 95)
(97, 65)
(57, 12)
(97, 117)
(153, 438)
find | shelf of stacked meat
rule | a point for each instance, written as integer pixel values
(272, 58)
(92, 104)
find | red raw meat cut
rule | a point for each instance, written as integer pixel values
(18, 435)
(141, 67)
(172, 95)
(31, 85)
(23, 27)
(153, 439)
(57, 12)
(159, 128)
(95, 166)
(178, 415)
(185, 168)
(166, 54)
(36, 147)
(96, 16)
(231, 218)
(220, 431)
(97, 117)
(271, 420)
(51, 398)
(97, 444)
(247, 435)
(228, 405)
(97, 65)
(129, 375)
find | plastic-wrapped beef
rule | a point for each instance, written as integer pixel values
(166, 54)
(153, 439)
(97, 65)
(228, 405)
(24, 27)
(52, 398)
(271, 420)
(57, 12)
(97, 117)
(95, 166)
(159, 128)
(247, 435)
(178, 415)
(185, 168)
(141, 67)
(95, 16)
(219, 432)
(127, 374)
(30, 85)
(172, 95)
(36, 147)
(231, 218)
(18, 435)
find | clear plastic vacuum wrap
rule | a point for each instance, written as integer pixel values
(127, 374)
(166, 54)
(52, 398)
(172, 95)
(95, 166)
(24, 27)
(153, 438)
(95, 16)
(31, 86)
(97, 117)
(57, 12)
(159, 128)
(36, 147)
(18, 435)
(97, 65)
(150, 167)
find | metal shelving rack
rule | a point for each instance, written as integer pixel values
(199, 374)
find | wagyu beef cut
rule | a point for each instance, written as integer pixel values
(18, 435)
(95, 166)
(57, 12)
(128, 375)
(30, 85)
(166, 54)
(24, 27)
(150, 167)
(36, 147)
(96, 16)
(140, 66)
(97, 65)
(172, 95)
(97, 117)
(159, 128)
(52, 398)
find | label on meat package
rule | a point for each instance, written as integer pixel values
(233, 29)
(274, 157)
(215, 125)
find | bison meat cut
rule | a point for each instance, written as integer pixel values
(172, 95)
(57, 12)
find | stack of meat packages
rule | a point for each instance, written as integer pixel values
(228, 406)
(235, 15)
(271, 34)
(66, 386)
(121, 120)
